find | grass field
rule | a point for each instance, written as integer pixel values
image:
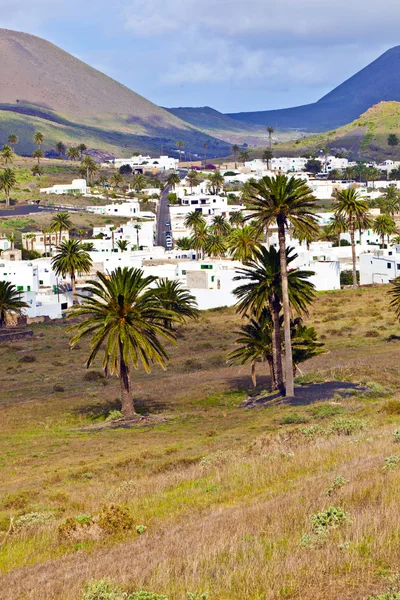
(226, 493)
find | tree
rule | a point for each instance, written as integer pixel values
(193, 180)
(180, 144)
(362, 222)
(255, 341)
(122, 245)
(236, 219)
(215, 245)
(116, 180)
(390, 201)
(235, 152)
(339, 224)
(8, 180)
(263, 289)
(220, 225)
(243, 242)
(282, 200)
(183, 244)
(124, 318)
(199, 237)
(82, 148)
(71, 260)
(125, 170)
(175, 299)
(216, 182)
(244, 156)
(59, 223)
(392, 140)
(13, 140)
(38, 154)
(313, 165)
(60, 147)
(268, 156)
(38, 138)
(305, 343)
(139, 182)
(73, 153)
(384, 225)
(10, 302)
(90, 166)
(350, 205)
(173, 180)
(36, 171)
(6, 154)
(138, 227)
(270, 132)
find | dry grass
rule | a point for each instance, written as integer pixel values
(226, 494)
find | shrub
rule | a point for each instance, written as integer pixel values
(293, 419)
(392, 407)
(371, 333)
(326, 410)
(141, 529)
(93, 376)
(27, 358)
(391, 462)
(338, 483)
(114, 415)
(331, 517)
(346, 276)
(114, 519)
(396, 436)
(32, 520)
(143, 595)
(103, 590)
(346, 426)
(58, 388)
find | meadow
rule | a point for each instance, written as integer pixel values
(287, 499)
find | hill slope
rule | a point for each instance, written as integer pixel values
(378, 81)
(38, 79)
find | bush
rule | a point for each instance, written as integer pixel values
(329, 518)
(392, 407)
(114, 519)
(103, 590)
(326, 410)
(338, 483)
(114, 415)
(346, 426)
(293, 419)
(93, 376)
(346, 276)
(27, 358)
(391, 462)
(58, 388)
(32, 520)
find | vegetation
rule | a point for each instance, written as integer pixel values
(72, 260)
(10, 302)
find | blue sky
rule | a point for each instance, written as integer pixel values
(233, 55)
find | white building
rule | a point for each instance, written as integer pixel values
(78, 186)
(379, 266)
(145, 163)
(129, 208)
(42, 242)
(128, 232)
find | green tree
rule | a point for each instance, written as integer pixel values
(90, 166)
(139, 182)
(384, 225)
(71, 260)
(220, 225)
(244, 156)
(73, 153)
(236, 219)
(392, 140)
(313, 165)
(183, 243)
(235, 152)
(8, 180)
(60, 147)
(123, 245)
(350, 205)
(255, 341)
(138, 227)
(173, 180)
(124, 319)
(116, 180)
(13, 140)
(37, 170)
(176, 300)
(215, 245)
(6, 154)
(194, 219)
(390, 201)
(270, 132)
(263, 289)
(268, 156)
(216, 182)
(243, 242)
(193, 180)
(82, 148)
(180, 144)
(305, 343)
(10, 302)
(283, 200)
(339, 224)
(199, 238)
(38, 154)
(60, 222)
(38, 138)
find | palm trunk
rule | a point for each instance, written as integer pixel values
(253, 374)
(278, 382)
(267, 237)
(7, 200)
(73, 285)
(137, 240)
(360, 232)
(353, 252)
(127, 406)
(286, 310)
(272, 373)
(383, 240)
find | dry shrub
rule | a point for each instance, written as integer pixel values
(392, 407)
(115, 519)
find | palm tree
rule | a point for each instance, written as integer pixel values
(236, 219)
(183, 243)
(31, 237)
(139, 182)
(122, 245)
(6, 154)
(390, 201)
(392, 140)
(306, 236)
(270, 132)
(215, 245)
(384, 225)
(173, 180)
(60, 222)
(263, 289)
(73, 153)
(13, 140)
(138, 227)
(124, 317)
(82, 148)
(362, 223)
(8, 180)
(339, 224)
(304, 343)
(38, 154)
(90, 166)
(11, 239)
(60, 147)
(192, 179)
(36, 171)
(268, 156)
(216, 182)
(350, 205)
(235, 152)
(282, 200)
(176, 300)
(220, 225)
(244, 156)
(71, 260)
(242, 243)
(180, 145)
(38, 138)
(396, 240)
(10, 302)
(116, 180)
(199, 238)
(194, 219)
(255, 341)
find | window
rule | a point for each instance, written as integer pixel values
(40, 281)
(206, 266)
(20, 288)
(398, 267)
(183, 272)
(28, 288)
(389, 265)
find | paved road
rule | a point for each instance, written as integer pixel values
(29, 209)
(163, 216)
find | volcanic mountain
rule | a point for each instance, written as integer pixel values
(43, 87)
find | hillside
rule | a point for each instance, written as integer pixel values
(379, 81)
(226, 493)
(47, 87)
(364, 138)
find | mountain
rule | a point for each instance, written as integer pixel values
(41, 86)
(377, 82)
(364, 138)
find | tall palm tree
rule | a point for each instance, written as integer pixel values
(216, 182)
(270, 132)
(73, 153)
(6, 154)
(350, 205)
(390, 201)
(71, 260)
(304, 343)
(183, 243)
(283, 200)
(194, 219)
(268, 156)
(180, 145)
(173, 180)
(124, 318)
(236, 219)
(36, 171)
(339, 224)
(123, 245)
(362, 223)
(220, 225)
(384, 225)
(176, 299)
(139, 182)
(193, 180)
(59, 223)
(10, 301)
(243, 242)
(116, 180)
(138, 227)
(13, 140)
(38, 154)
(8, 180)
(82, 148)
(60, 147)
(256, 339)
(244, 156)
(263, 289)
(215, 245)
(38, 138)
(235, 152)
(199, 238)
(90, 166)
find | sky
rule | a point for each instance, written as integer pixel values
(233, 55)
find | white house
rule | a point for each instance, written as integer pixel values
(143, 163)
(129, 208)
(78, 186)
(42, 242)
(379, 266)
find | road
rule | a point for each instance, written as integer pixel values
(30, 209)
(163, 216)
